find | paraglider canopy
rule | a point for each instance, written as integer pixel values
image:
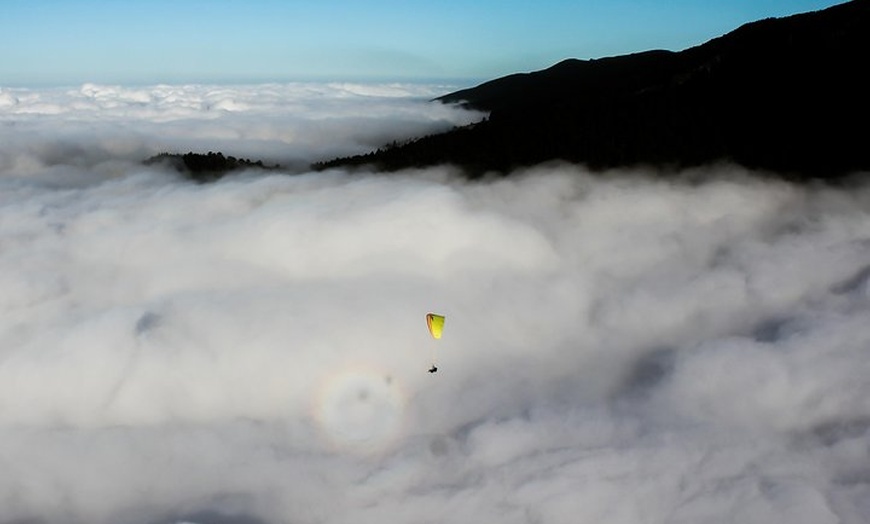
(435, 323)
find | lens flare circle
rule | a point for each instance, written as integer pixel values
(360, 409)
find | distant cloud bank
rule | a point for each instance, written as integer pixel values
(292, 124)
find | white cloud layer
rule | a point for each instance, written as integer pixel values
(96, 126)
(617, 349)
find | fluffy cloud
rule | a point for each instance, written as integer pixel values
(617, 348)
(97, 126)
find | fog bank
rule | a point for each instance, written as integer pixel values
(617, 348)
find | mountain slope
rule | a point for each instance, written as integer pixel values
(787, 95)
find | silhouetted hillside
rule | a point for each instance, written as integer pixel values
(788, 95)
(206, 167)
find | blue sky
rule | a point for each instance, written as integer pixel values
(70, 42)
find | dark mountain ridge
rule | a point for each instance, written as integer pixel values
(786, 95)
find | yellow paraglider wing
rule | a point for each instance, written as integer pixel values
(435, 323)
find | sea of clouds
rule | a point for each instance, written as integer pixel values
(618, 349)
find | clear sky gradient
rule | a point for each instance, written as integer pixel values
(165, 41)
